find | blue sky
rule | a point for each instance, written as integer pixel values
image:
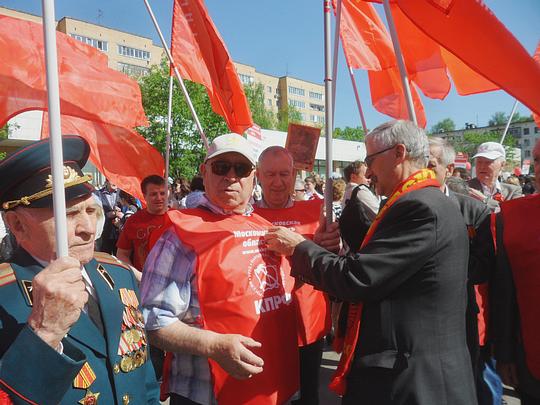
(286, 37)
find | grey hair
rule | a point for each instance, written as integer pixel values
(275, 150)
(448, 154)
(403, 132)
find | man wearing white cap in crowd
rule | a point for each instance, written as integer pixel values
(486, 187)
(216, 299)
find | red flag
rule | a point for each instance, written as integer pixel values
(122, 155)
(470, 31)
(88, 88)
(537, 59)
(201, 57)
(361, 29)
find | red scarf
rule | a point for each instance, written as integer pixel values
(421, 179)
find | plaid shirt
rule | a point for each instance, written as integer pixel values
(168, 294)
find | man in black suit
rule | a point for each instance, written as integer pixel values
(407, 283)
(481, 264)
(108, 195)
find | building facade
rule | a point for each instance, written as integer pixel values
(526, 134)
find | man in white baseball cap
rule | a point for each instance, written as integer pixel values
(489, 161)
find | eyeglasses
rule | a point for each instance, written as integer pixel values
(369, 158)
(222, 167)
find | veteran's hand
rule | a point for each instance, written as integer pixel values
(282, 240)
(58, 295)
(328, 237)
(232, 353)
(477, 194)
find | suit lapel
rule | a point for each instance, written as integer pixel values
(111, 310)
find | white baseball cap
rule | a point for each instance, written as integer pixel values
(231, 143)
(491, 151)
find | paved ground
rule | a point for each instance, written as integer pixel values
(329, 364)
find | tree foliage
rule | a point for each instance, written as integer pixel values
(446, 125)
(471, 141)
(262, 116)
(500, 118)
(187, 150)
(349, 134)
(287, 114)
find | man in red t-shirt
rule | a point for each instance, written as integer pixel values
(133, 241)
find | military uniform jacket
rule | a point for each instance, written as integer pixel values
(90, 369)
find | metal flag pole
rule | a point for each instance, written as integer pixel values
(168, 139)
(509, 120)
(401, 63)
(336, 53)
(355, 88)
(177, 74)
(329, 111)
(55, 129)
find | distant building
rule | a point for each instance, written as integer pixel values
(526, 134)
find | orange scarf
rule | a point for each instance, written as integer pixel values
(420, 179)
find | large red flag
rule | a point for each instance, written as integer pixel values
(122, 155)
(201, 56)
(470, 31)
(367, 45)
(88, 88)
(536, 57)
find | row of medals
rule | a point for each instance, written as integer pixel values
(133, 334)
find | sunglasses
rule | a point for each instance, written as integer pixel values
(222, 167)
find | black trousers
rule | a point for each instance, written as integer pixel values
(310, 364)
(176, 399)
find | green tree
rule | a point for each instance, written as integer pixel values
(287, 114)
(445, 125)
(187, 150)
(498, 118)
(472, 139)
(262, 116)
(349, 134)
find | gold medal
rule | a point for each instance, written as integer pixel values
(126, 364)
(90, 398)
(138, 358)
(128, 337)
(135, 335)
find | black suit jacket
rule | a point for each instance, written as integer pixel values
(411, 277)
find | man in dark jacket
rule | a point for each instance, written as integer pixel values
(405, 340)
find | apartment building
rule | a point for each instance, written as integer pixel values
(526, 134)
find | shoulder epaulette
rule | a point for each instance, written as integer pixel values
(109, 259)
(7, 275)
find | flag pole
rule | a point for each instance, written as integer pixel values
(327, 6)
(509, 120)
(55, 129)
(168, 139)
(401, 63)
(357, 97)
(177, 74)
(336, 53)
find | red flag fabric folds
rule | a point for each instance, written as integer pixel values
(471, 32)
(122, 155)
(201, 56)
(367, 45)
(537, 59)
(88, 88)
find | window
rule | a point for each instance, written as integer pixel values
(96, 43)
(245, 79)
(315, 95)
(297, 103)
(527, 153)
(132, 70)
(536, 130)
(133, 52)
(269, 102)
(515, 131)
(525, 131)
(316, 118)
(316, 107)
(296, 90)
(269, 89)
(526, 142)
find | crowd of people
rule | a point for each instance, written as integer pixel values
(425, 279)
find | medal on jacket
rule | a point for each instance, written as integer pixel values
(132, 339)
(85, 378)
(90, 398)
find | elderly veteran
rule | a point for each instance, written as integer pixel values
(71, 330)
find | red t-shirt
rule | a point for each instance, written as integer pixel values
(136, 233)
